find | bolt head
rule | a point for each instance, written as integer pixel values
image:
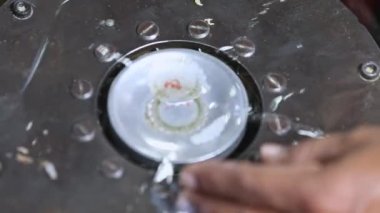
(199, 29)
(274, 83)
(112, 169)
(244, 47)
(22, 10)
(84, 131)
(148, 30)
(370, 71)
(279, 124)
(82, 89)
(104, 53)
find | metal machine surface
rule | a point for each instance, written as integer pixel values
(300, 69)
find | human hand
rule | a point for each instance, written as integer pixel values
(339, 174)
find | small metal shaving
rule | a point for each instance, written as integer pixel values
(226, 48)
(50, 170)
(29, 126)
(143, 188)
(107, 23)
(24, 159)
(315, 134)
(198, 2)
(308, 131)
(23, 150)
(45, 132)
(276, 103)
(209, 21)
(165, 172)
(286, 97)
(34, 142)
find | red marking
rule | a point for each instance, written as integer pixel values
(173, 84)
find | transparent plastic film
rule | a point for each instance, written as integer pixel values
(184, 101)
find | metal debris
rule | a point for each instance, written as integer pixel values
(34, 142)
(58, 11)
(263, 12)
(24, 159)
(315, 134)
(45, 132)
(276, 103)
(107, 23)
(29, 126)
(36, 63)
(165, 172)
(308, 131)
(23, 150)
(226, 48)
(253, 22)
(50, 170)
(164, 191)
(286, 97)
(230, 51)
(209, 21)
(143, 188)
(198, 2)
(279, 99)
(271, 2)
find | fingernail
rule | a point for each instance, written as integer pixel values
(272, 151)
(188, 180)
(183, 205)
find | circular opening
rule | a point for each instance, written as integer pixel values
(182, 99)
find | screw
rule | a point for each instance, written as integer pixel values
(244, 47)
(112, 169)
(22, 10)
(370, 71)
(84, 131)
(148, 30)
(82, 89)
(275, 83)
(199, 29)
(105, 53)
(279, 124)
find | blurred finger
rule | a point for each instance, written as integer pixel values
(274, 153)
(278, 187)
(193, 202)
